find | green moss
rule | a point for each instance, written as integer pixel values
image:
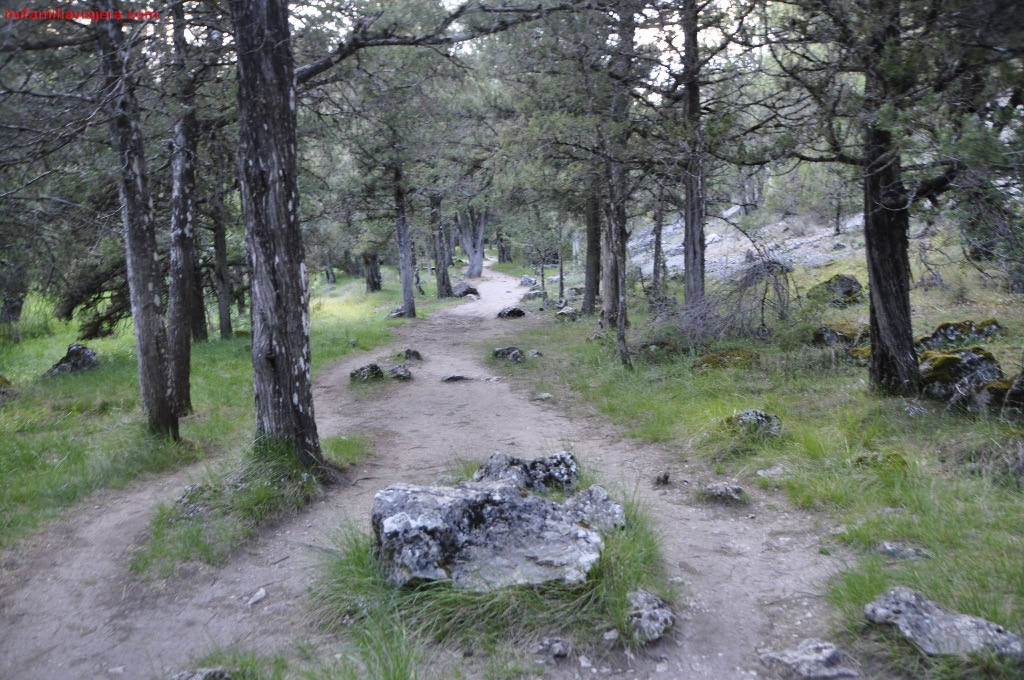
(732, 358)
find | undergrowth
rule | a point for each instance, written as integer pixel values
(910, 471)
(65, 437)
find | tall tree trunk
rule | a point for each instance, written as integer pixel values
(592, 272)
(472, 225)
(371, 270)
(893, 368)
(621, 66)
(270, 207)
(659, 252)
(693, 183)
(221, 273)
(441, 257)
(15, 289)
(405, 264)
(183, 285)
(145, 283)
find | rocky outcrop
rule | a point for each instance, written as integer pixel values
(938, 632)
(955, 375)
(557, 472)
(512, 353)
(959, 333)
(492, 532)
(567, 314)
(755, 421)
(511, 313)
(78, 358)
(528, 280)
(649, 616)
(809, 660)
(479, 536)
(841, 290)
(400, 372)
(462, 289)
(367, 373)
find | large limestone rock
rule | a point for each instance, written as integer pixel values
(938, 632)
(492, 532)
(480, 535)
(78, 358)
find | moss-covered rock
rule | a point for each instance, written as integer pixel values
(842, 290)
(841, 334)
(729, 358)
(754, 421)
(952, 334)
(957, 374)
(1013, 399)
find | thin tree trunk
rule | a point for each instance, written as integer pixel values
(221, 273)
(659, 253)
(405, 265)
(592, 275)
(441, 257)
(182, 274)
(270, 207)
(144, 275)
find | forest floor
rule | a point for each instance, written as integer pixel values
(751, 577)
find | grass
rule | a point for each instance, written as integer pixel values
(391, 625)
(65, 437)
(887, 469)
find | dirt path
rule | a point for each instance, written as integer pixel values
(751, 577)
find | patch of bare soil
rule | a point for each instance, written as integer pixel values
(751, 576)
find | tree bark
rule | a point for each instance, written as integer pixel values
(617, 171)
(143, 266)
(472, 225)
(270, 208)
(405, 264)
(371, 270)
(592, 273)
(659, 251)
(221, 273)
(441, 257)
(693, 182)
(182, 275)
(893, 368)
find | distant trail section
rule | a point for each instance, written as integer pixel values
(751, 577)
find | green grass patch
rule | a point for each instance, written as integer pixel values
(212, 518)
(887, 469)
(64, 437)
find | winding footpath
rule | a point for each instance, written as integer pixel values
(750, 577)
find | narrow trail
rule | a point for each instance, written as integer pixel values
(751, 577)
